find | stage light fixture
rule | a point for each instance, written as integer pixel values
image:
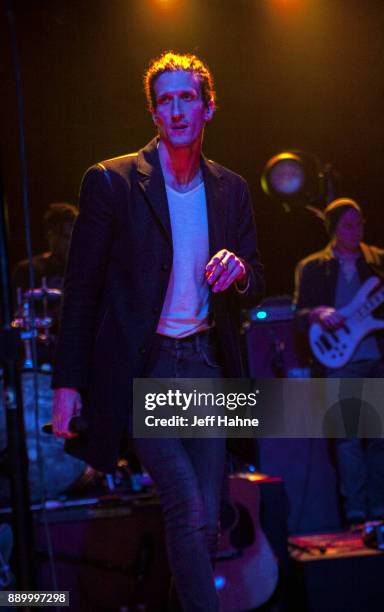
(284, 175)
(295, 179)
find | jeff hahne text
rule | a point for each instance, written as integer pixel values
(263, 408)
(175, 398)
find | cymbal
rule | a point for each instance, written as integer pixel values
(40, 293)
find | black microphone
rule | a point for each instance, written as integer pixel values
(77, 425)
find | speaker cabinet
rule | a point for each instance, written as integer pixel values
(108, 558)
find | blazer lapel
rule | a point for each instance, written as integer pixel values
(217, 206)
(151, 182)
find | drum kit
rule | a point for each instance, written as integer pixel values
(52, 472)
(34, 320)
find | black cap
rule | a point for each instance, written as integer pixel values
(335, 210)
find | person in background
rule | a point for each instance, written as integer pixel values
(58, 222)
(48, 268)
(325, 282)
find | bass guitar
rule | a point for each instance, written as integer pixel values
(334, 348)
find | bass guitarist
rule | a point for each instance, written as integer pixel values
(325, 282)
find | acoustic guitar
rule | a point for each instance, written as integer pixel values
(246, 571)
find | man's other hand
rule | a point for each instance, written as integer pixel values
(223, 269)
(66, 404)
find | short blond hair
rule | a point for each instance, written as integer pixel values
(172, 62)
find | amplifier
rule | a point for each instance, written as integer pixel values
(109, 557)
(277, 308)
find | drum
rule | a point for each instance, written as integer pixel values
(56, 471)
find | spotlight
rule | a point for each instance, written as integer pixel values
(296, 179)
(283, 175)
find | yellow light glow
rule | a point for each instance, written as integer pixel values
(165, 3)
(288, 6)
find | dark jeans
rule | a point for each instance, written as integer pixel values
(188, 474)
(360, 462)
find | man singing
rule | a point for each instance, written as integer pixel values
(163, 256)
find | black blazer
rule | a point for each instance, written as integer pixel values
(116, 280)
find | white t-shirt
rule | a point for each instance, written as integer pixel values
(185, 309)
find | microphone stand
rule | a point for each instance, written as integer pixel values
(16, 455)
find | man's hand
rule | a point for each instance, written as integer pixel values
(329, 318)
(223, 269)
(66, 404)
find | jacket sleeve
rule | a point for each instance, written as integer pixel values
(248, 252)
(84, 280)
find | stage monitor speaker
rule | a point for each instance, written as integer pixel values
(108, 558)
(345, 581)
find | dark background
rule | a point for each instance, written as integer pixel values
(306, 74)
